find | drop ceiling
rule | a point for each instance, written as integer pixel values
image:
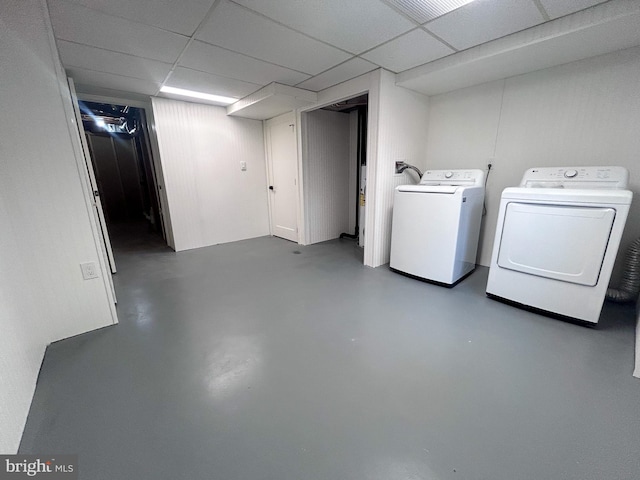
(234, 48)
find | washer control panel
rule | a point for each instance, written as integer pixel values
(453, 177)
(576, 177)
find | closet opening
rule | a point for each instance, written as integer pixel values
(334, 145)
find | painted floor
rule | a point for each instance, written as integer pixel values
(263, 359)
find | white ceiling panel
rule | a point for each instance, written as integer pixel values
(353, 25)
(559, 8)
(561, 41)
(238, 29)
(182, 16)
(89, 92)
(422, 11)
(216, 60)
(485, 20)
(408, 51)
(92, 58)
(208, 83)
(83, 25)
(346, 71)
(113, 82)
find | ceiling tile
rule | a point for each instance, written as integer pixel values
(353, 25)
(83, 25)
(346, 71)
(114, 82)
(559, 8)
(208, 83)
(85, 92)
(92, 58)
(216, 60)
(180, 17)
(408, 51)
(485, 20)
(422, 11)
(241, 30)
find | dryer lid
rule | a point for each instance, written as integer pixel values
(601, 196)
(565, 243)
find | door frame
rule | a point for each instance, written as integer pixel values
(369, 84)
(66, 88)
(93, 184)
(289, 118)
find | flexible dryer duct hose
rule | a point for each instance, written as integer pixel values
(630, 284)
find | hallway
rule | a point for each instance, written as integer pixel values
(264, 359)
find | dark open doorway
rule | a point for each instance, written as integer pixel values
(124, 169)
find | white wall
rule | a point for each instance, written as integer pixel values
(210, 199)
(46, 229)
(403, 124)
(326, 174)
(581, 113)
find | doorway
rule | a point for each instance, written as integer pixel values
(282, 172)
(125, 173)
(334, 152)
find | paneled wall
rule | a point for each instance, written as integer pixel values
(326, 174)
(403, 124)
(211, 200)
(581, 113)
(45, 225)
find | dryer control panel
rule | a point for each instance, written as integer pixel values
(576, 177)
(469, 178)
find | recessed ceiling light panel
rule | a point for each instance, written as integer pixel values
(424, 10)
(202, 96)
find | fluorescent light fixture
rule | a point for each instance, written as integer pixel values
(426, 10)
(200, 95)
(99, 122)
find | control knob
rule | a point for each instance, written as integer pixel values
(570, 173)
(448, 175)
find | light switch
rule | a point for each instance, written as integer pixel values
(243, 166)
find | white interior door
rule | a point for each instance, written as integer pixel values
(282, 162)
(98, 212)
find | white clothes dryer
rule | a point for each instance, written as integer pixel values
(557, 239)
(436, 226)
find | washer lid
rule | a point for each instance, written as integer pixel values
(448, 189)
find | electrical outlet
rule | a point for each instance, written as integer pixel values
(89, 270)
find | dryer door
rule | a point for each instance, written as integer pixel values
(565, 243)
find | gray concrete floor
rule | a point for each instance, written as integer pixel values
(263, 359)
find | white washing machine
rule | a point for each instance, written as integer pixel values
(436, 225)
(557, 238)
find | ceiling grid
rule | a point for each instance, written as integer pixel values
(235, 47)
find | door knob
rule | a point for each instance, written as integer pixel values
(270, 187)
